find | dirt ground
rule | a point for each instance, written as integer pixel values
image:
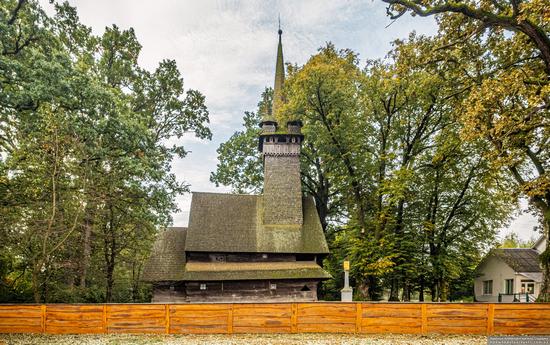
(246, 339)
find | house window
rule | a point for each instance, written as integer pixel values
(509, 286)
(528, 286)
(202, 286)
(487, 287)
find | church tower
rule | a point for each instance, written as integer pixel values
(248, 248)
(280, 147)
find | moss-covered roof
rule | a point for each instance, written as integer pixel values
(233, 223)
(216, 271)
(167, 258)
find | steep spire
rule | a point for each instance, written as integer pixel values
(279, 77)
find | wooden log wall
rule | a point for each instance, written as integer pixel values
(320, 317)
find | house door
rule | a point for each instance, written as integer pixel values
(528, 286)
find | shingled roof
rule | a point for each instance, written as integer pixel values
(520, 259)
(233, 223)
(167, 260)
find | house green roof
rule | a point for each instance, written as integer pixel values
(167, 258)
(216, 271)
(233, 223)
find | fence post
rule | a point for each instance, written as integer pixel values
(43, 317)
(230, 319)
(424, 314)
(490, 319)
(167, 318)
(104, 319)
(358, 316)
(294, 318)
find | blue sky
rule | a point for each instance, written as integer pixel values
(226, 50)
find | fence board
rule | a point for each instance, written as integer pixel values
(326, 317)
(377, 318)
(319, 317)
(522, 306)
(383, 312)
(448, 318)
(392, 321)
(457, 311)
(398, 329)
(136, 318)
(199, 319)
(262, 318)
(73, 319)
(531, 319)
(20, 319)
(458, 330)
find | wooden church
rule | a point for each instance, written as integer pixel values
(247, 247)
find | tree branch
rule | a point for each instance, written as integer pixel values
(15, 12)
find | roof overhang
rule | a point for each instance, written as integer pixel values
(536, 276)
(219, 271)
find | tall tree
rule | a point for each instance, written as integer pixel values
(499, 51)
(385, 137)
(85, 162)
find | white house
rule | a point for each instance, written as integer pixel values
(510, 274)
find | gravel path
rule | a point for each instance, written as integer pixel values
(245, 339)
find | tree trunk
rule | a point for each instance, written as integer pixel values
(394, 290)
(110, 254)
(86, 246)
(363, 289)
(406, 292)
(374, 288)
(136, 269)
(444, 290)
(421, 289)
(109, 283)
(36, 283)
(544, 295)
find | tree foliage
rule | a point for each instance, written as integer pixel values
(85, 169)
(412, 204)
(498, 52)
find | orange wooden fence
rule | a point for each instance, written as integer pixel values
(419, 318)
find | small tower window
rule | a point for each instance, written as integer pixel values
(218, 258)
(264, 256)
(272, 286)
(202, 286)
(305, 288)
